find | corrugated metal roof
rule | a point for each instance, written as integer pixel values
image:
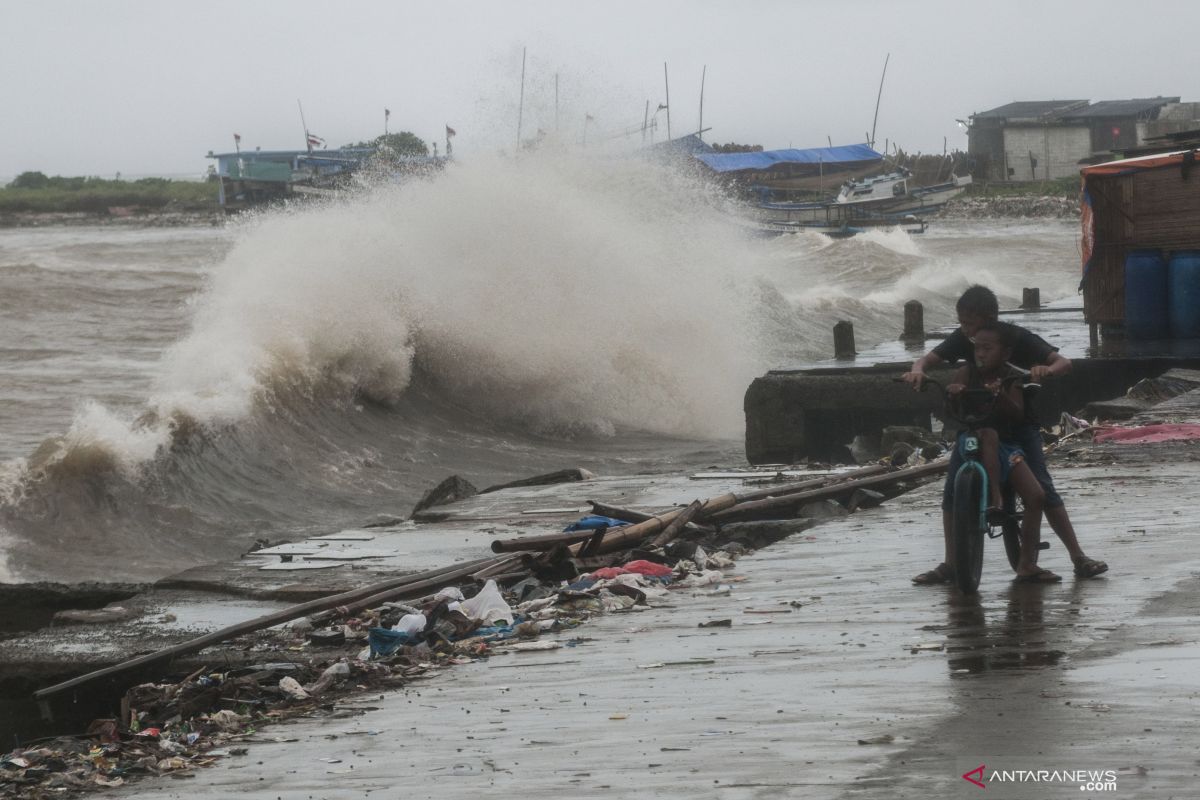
(1031, 109)
(845, 154)
(1120, 108)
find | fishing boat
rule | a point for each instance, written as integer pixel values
(865, 201)
(844, 228)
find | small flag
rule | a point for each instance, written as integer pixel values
(589, 118)
(387, 112)
(237, 138)
(315, 141)
(450, 132)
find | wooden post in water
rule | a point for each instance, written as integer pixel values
(914, 322)
(1031, 299)
(843, 340)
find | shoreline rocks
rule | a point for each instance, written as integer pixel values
(1012, 207)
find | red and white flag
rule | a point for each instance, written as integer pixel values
(315, 141)
(450, 132)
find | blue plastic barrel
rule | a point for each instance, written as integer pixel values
(1146, 295)
(1183, 294)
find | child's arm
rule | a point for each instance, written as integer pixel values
(917, 375)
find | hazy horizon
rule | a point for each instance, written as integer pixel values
(141, 88)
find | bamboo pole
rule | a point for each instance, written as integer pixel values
(677, 524)
(540, 543)
(777, 505)
(550, 541)
(801, 486)
(425, 579)
(623, 538)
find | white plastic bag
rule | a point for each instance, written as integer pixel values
(410, 624)
(488, 605)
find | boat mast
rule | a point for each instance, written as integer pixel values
(879, 97)
(304, 125)
(667, 84)
(521, 103)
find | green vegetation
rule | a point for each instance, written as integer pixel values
(404, 143)
(1061, 187)
(35, 192)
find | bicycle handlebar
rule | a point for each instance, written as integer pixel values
(985, 396)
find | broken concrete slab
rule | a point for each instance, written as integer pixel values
(448, 491)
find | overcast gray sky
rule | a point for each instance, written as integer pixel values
(147, 87)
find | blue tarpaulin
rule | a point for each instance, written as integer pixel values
(733, 162)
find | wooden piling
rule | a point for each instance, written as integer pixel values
(914, 322)
(1031, 299)
(843, 340)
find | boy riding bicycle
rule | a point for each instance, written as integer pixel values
(976, 306)
(1000, 451)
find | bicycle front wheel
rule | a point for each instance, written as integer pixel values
(969, 528)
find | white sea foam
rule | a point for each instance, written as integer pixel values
(572, 294)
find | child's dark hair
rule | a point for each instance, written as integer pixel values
(1006, 334)
(978, 300)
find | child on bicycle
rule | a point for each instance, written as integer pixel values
(976, 306)
(1000, 450)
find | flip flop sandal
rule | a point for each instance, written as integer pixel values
(1090, 568)
(1041, 576)
(942, 573)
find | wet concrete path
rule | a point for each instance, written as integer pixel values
(1087, 674)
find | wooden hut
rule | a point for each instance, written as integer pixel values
(1138, 203)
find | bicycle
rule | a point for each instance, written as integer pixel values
(971, 490)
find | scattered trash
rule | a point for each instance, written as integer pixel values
(886, 738)
(528, 647)
(188, 722)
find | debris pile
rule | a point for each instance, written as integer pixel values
(369, 639)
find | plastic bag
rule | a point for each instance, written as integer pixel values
(488, 605)
(411, 624)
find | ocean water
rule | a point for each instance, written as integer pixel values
(167, 396)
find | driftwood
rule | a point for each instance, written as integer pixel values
(813, 483)
(623, 514)
(418, 582)
(623, 538)
(552, 540)
(560, 476)
(677, 524)
(785, 506)
(539, 543)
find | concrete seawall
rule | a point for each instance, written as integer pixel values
(816, 413)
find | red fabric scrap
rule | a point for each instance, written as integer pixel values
(1148, 434)
(604, 573)
(648, 568)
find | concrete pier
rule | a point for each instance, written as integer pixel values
(816, 412)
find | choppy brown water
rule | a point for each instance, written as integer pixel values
(169, 395)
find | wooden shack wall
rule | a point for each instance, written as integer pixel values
(1157, 208)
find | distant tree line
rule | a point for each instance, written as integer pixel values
(733, 147)
(404, 143)
(35, 191)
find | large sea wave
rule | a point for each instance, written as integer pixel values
(503, 317)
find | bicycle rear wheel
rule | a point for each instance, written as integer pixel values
(1011, 529)
(969, 527)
